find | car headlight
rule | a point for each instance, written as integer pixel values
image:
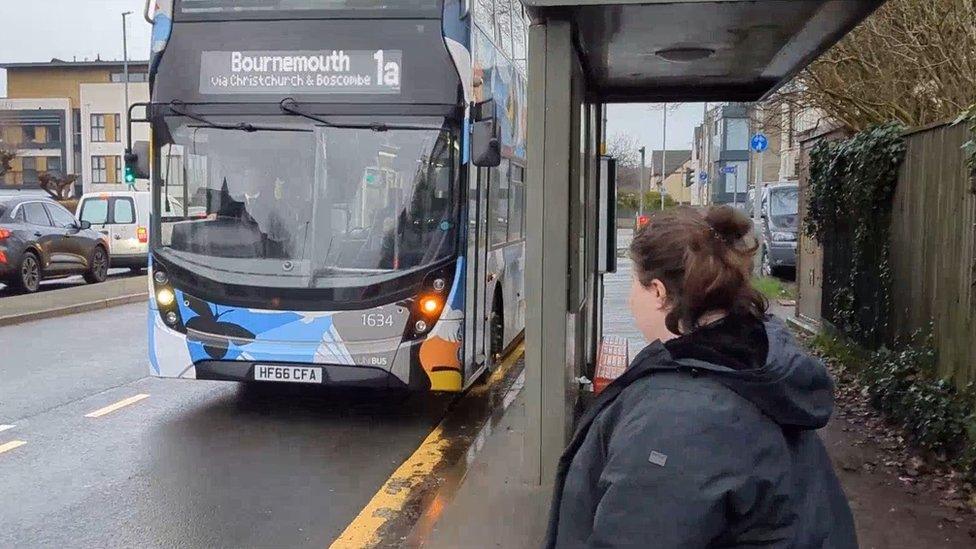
(784, 237)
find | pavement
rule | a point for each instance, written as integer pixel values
(71, 295)
(194, 463)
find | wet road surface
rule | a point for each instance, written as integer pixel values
(194, 464)
(68, 282)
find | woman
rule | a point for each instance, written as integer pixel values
(709, 438)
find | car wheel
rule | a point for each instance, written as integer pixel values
(98, 267)
(28, 277)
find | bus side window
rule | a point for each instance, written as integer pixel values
(498, 191)
(516, 209)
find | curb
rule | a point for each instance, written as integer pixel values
(408, 504)
(11, 320)
(802, 326)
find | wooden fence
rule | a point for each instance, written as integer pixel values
(932, 248)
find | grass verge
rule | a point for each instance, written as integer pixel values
(773, 288)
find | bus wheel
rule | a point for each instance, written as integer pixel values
(496, 325)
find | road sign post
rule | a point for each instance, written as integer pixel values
(759, 144)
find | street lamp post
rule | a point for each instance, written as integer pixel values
(664, 153)
(640, 211)
(125, 64)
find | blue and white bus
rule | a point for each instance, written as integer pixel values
(338, 190)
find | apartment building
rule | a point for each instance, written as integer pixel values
(68, 117)
(722, 153)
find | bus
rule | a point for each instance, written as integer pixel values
(338, 190)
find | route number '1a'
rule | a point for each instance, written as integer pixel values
(387, 74)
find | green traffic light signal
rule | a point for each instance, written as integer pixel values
(130, 177)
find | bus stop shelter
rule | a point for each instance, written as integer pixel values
(583, 55)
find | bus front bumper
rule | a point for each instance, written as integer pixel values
(332, 375)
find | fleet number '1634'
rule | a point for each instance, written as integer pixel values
(377, 320)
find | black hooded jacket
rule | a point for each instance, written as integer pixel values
(706, 441)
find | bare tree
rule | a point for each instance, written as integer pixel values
(6, 157)
(666, 107)
(58, 186)
(912, 62)
(624, 148)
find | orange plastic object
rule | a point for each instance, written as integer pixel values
(611, 360)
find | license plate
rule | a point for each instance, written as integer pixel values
(291, 374)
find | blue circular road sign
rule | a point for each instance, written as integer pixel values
(759, 143)
(703, 176)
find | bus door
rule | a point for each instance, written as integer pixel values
(477, 250)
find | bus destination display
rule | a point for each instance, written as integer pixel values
(306, 71)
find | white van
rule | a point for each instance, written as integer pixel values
(123, 216)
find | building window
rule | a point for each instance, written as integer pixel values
(54, 165)
(736, 134)
(736, 177)
(98, 128)
(99, 169)
(29, 169)
(118, 169)
(53, 132)
(76, 129)
(30, 134)
(133, 76)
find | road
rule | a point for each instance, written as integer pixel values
(68, 282)
(194, 464)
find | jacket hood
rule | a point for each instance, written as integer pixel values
(793, 388)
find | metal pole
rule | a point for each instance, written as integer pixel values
(756, 214)
(701, 155)
(125, 65)
(735, 186)
(640, 211)
(664, 153)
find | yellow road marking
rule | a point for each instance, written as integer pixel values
(11, 445)
(120, 404)
(364, 530)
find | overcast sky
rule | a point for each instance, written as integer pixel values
(88, 28)
(645, 122)
(39, 30)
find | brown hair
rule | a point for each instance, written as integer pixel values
(704, 259)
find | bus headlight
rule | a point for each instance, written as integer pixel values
(160, 277)
(420, 327)
(172, 318)
(165, 297)
(439, 285)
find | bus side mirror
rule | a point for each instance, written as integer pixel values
(486, 149)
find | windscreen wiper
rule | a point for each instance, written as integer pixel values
(179, 108)
(291, 106)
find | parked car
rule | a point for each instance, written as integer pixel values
(123, 217)
(40, 239)
(779, 223)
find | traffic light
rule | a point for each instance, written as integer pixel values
(131, 165)
(689, 177)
